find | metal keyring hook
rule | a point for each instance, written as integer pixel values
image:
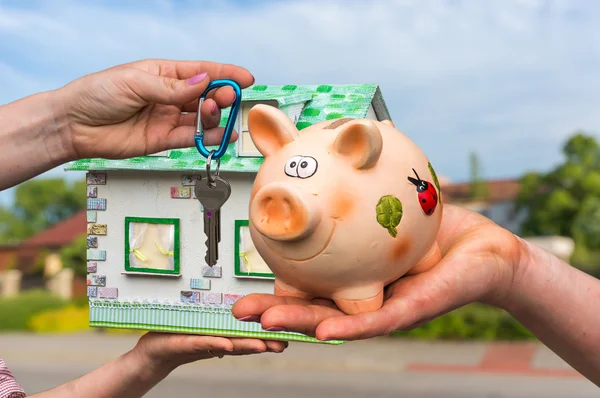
(199, 136)
(211, 177)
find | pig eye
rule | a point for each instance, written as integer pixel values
(291, 167)
(307, 167)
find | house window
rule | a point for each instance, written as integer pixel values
(246, 146)
(152, 245)
(248, 263)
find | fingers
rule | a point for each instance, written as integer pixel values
(248, 346)
(284, 313)
(357, 327)
(411, 299)
(211, 114)
(319, 319)
(184, 70)
(192, 343)
(254, 305)
(223, 96)
(243, 346)
(276, 346)
(211, 117)
(164, 90)
(298, 318)
(187, 119)
(172, 344)
(183, 137)
(187, 69)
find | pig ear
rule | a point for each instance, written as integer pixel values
(388, 122)
(270, 129)
(360, 142)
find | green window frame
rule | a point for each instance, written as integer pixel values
(239, 224)
(176, 246)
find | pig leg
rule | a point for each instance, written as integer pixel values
(429, 260)
(359, 299)
(283, 289)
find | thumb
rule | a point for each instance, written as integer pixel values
(168, 90)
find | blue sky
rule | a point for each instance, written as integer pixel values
(508, 79)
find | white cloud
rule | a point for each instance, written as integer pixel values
(509, 79)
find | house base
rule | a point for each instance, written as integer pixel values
(189, 319)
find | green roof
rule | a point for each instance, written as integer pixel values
(322, 102)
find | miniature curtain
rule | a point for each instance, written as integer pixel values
(167, 242)
(136, 240)
(250, 256)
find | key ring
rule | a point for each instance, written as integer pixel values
(199, 136)
(211, 177)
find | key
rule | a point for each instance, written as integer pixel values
(212, 199)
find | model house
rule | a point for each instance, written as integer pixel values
(146, 242)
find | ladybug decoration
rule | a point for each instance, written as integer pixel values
(428, 197)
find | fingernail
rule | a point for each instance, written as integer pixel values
(275, 329)
(214, 110)
(196, 79)
(250, 318)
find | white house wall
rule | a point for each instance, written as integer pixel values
(371, 113)
(148, 194)
(294, 111)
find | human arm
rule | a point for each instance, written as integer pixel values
(129, 110)
(558, 304)
(136, 372)
(481, 262)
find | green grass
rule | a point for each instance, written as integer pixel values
(15, 312)
(471, 322)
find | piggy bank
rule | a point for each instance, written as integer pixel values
(342, 208)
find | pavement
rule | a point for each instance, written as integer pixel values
(382, 367)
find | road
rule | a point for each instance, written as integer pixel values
(377, 368)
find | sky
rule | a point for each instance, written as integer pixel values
(507, 79)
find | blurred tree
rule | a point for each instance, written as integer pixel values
(566, 201)
(38, 204)
(74, 256)
(479, 188)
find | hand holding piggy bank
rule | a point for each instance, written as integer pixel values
(342, 208)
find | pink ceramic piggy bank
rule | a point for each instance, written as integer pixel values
(342, 208)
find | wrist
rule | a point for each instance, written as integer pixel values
(33, 136)
(58, 141)
(527, 272)
(147, 370)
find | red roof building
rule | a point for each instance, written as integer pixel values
(498, 204)
(60, 234)
(498, 191)
(52, 239)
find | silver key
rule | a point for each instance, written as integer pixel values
(212, 197)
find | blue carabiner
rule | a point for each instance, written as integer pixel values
(230, 121)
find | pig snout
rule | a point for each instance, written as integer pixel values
(281, 212)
